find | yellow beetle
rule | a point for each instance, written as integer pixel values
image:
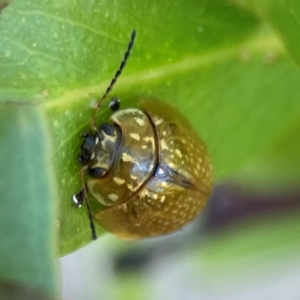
(148, 167)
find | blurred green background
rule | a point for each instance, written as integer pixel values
(231, 67)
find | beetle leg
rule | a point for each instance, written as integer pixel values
(80, 159)
(80, 197)
(85, 134)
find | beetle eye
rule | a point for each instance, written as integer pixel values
(108, 129)
(88, 143)
(97, 172)
(87, 148)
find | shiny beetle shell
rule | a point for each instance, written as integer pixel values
(155, 175)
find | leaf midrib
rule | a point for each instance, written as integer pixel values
(258, 43)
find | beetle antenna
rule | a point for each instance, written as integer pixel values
(114, 80)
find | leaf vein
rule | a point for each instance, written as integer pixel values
(69, 22)
(32, 52)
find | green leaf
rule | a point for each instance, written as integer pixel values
(27, 192)
(222, 67)
(284, 16)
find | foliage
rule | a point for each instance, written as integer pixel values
(230, 66)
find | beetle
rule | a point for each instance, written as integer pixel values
(148, 167)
